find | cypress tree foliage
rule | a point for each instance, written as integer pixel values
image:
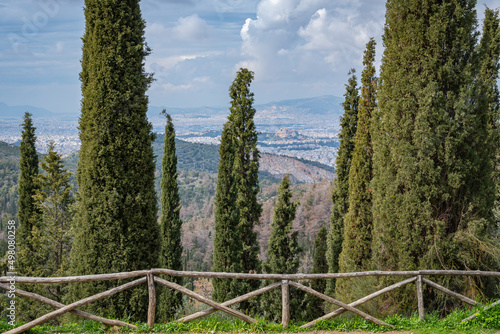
(115, 226)
(356, 247)
(28, 211)
(340, 192)
(227, 243)
(170, 226)
(27, 260)
(432, 201)
(314, 305)
(489, 54)
(283, 252)
(236, 208)
(54, 200)
(246, 169)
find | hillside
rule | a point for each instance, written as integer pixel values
(197, 165)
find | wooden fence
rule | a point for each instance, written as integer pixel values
(283, 281)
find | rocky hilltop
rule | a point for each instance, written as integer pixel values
(280, 165)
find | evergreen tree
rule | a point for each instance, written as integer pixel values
(28, 211)
(227, 244)
(237, 189)
(489, 54)
(170, 226)
(27, 246)
(432, 201)
(54, 200)
(116, 227)
(283, 251)
(340, 192)
(314, 305)
(246, 170)
(356, 247)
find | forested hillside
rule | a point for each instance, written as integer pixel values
(197, 166)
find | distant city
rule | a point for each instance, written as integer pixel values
(305, 128)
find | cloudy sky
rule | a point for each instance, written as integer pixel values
(297, 48)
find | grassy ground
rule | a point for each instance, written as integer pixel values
(486, 322)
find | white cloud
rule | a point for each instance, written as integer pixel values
(187, 29)
(192, 28)
(306, 40)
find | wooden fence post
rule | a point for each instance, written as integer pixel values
(420, 298)
(285, 299)
(152, 301)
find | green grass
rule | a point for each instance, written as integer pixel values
(486, 322)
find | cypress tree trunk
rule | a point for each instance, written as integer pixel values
(170, 227)
(116, 225)
(356, 247)
(283, 252)
(340, 192)
(428, 146)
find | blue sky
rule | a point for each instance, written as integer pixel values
(297, 48)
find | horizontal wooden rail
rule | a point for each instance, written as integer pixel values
(278, 277)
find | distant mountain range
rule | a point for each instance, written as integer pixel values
(321, 105)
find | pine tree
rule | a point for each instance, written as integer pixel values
(27, 189)
(283, 251)
(116, 227)
(356, 247)
(428, 145)
(227, 244)
(340, 192)
(314, 305)
(170, 226)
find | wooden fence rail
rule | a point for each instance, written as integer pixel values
(283, 281)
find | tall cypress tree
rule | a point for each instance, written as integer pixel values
(246, 169)
(170, 226)
(236, 195)
(116, 225)
(356, 247)
(27, 247)
(28, 186)
(340, 192)
(227, 243)
(283, 251)
(427, 145)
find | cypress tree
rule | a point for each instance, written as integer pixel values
(27, 246)
(54, 200)
(314, 305)
(115, 224)
(236, 208)
(227, 243)
(489, 55)
(356, 247)
(283, 251)
(246, 170)
(340, 192)
(428, 145)
(170, 226)
(28, 211)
